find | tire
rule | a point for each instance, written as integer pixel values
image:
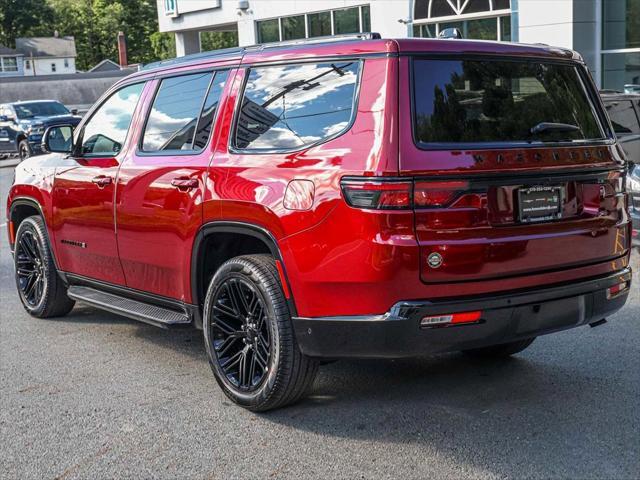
(41, 290)
(245, 311)
(500, 351)
(24, 150)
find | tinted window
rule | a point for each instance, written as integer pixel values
(44, 109)
(295, 105)
(623, 117)
(107, 129)
(471, 101)
(172, 122)
(205, 123)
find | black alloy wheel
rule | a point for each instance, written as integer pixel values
(240, 333)
(42, 291)
(249, 336)
(31, 279)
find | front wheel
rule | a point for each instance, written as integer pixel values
(500, 351)
(24, 150)
(42, 291)
(250, 339)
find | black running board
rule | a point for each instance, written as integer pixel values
(143, 312)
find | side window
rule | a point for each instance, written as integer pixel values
(623, 117)
(291, 106)
(176, 119)
(207, 116)
(106, 130)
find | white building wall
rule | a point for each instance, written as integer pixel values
(385, 16)
(43, 66)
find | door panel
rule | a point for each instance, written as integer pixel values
(84, 189)
(160, 187)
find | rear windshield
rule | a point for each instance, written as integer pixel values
(500, 101)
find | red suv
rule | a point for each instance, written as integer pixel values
(352, 198)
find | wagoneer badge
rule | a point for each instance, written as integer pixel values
(434, 260)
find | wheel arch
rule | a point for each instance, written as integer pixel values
(24, 207)
(218, 241)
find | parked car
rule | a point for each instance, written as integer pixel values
(624, 112)
(23, 123)
(354, 198)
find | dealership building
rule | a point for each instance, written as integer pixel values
(605, 32)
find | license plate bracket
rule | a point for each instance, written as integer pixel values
(540, 203)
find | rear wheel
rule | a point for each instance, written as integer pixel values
(24, 150)
(42, 291)
(500, 351)
(249, 336)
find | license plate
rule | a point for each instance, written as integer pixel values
(540, 203)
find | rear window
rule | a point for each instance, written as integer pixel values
(500, 101)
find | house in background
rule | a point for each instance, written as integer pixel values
(47, 55)
(11, 62)
(106, 65)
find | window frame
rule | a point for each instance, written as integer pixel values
(144, 153)
(77, 141)
(594, 102)
(231, 144)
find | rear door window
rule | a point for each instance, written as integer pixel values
(623, 117)
(183, 111)
(458, 101)
(292, 106)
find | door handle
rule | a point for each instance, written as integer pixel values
(101, 181)
(184, 183)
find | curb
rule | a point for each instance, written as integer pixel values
(9, 163)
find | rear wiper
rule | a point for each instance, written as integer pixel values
(544, 127)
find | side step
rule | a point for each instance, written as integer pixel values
(144, 312)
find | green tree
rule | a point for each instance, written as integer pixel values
(20, 18)
(218, 40)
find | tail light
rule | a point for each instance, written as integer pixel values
(378, 195)
(451, 319)
(396, 194)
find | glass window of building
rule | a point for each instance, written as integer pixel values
(319, 24)
(293, 27)
(315, 24)
(476, 19)
(621, 45)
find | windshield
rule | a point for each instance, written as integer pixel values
(40, 109)
(513, 101)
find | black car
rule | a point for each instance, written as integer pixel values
(23, 123)
(624, 111)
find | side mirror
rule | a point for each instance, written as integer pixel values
(74, 111)
(58, 139)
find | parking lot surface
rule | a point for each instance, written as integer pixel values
(94, 395)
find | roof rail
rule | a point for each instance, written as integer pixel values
(234, 51)
(313, 40)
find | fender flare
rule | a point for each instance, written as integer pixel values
(223, 226)
(30, 201)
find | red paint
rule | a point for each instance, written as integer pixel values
(283, 280)
(339, 259)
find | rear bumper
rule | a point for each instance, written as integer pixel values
(505, 318)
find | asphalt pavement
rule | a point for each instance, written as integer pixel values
(94, 395)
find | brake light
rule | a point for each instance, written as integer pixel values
(451, 319)
(437, 194)
(403, 194)
(379, 195)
